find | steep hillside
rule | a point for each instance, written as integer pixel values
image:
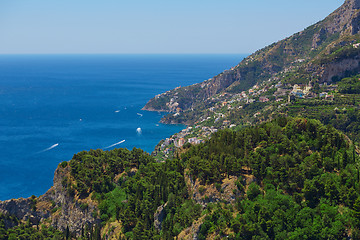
(319, 53)
(304, 173)
(283, 179)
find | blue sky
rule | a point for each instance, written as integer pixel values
(153, 26)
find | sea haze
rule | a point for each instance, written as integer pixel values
(53, 106)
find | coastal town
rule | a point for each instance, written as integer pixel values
(268, 97)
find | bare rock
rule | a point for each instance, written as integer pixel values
(159, 216)
(204, 194)
(69, 212)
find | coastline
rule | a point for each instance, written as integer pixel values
(42, 112)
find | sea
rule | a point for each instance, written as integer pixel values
(53, 106)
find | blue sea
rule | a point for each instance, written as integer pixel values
(53, 106)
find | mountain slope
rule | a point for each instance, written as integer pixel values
(305, 51)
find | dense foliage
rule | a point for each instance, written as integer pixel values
(96, 169)
(338, 54)
(25, 231)
(350, 85)
(285, 146)
(342, 112)
(307, 181)
(307, 186)
(275, 215)
(130, 186)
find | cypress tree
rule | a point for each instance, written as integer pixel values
(67, 233)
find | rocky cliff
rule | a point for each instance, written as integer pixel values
(24, 209)
(73, 213)
(56, 206)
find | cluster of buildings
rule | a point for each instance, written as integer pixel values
(179, 139)
(302, 92)
(279, 93)
(266, 92)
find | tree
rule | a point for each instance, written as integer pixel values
(253, 191)
(67, 233)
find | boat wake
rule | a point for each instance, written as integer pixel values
(139, 114)
(115, 144)
(49, 148)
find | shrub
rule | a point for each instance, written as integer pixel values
(64, 164)
(201, 189)
(253, 191)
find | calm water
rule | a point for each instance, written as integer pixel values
(52, 106)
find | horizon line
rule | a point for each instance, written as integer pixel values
(124, 53)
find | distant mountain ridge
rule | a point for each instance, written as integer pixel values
(307, 51)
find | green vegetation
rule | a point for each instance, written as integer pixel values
(26, 231)
(350, 85)
(307, 185)
(339, 53)
(130, 186)
(306, 173)
(285, 146)
(95, 170)
(342, 112)
(252, 72)
(275, 215)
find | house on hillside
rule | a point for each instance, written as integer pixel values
(192, 140)
(356, 45)
(226, 122)
(329, 97)
(181, 142)
(307, 89)
(323, 94)
(310, 95)
(263, 99)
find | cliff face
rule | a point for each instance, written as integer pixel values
(23, 209)
(339, 28)
(344, 19)
(55, 205)
(339, 69)
(70, 214)
(204, 194)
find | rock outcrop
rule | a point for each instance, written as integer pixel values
(71, 213)
(55, 205)
(159, 216)
(192, 232)
(339, 69)
(226, 192)
(24, 209)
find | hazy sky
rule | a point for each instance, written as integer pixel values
(153, 26)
